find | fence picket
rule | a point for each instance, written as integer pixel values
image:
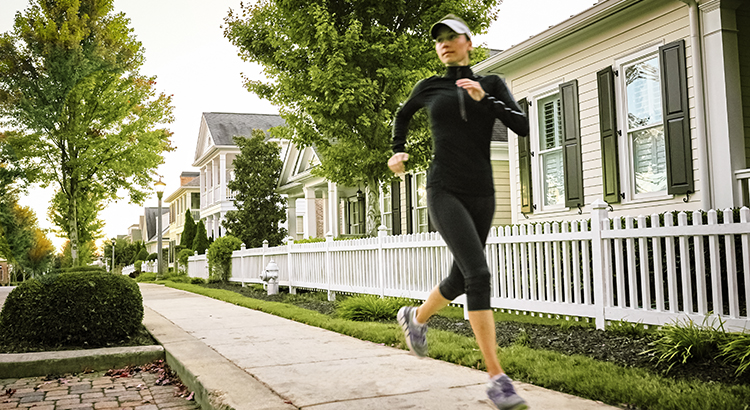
(576, 266)
(745, 240)
(539, 265)
(687, 282)
(645, 274)
(619, 265)
(586, 267)
(713, 249)
(731, 264)
(700, 267)
(658, 269)
(632, 281)
(566, 263)
(548, 263)
(557, 262)
(671, 265)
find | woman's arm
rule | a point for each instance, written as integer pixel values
(506, 109)
(404, 115)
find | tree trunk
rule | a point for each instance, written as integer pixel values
(73, 215)
(373, 207)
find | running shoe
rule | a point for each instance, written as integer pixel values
(502, 393)
(415, 334)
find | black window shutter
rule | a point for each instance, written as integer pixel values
(605, 83)
(572, 162)
(676, 118)
(524, 165)
(396, 207)
(409, 211)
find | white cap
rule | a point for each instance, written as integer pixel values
(453, 22)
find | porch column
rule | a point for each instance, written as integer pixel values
(291, 217)
(222, 177)
(723, 99)
(203, 187)
(310, 214)
(333, 208)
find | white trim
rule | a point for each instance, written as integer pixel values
(627, 183)
(534, 97)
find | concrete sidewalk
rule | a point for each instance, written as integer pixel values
(252, 360)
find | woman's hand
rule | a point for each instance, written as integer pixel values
(474, 89)
(396, 162)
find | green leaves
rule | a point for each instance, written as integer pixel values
(260, 208)
(338, 70)
(69, 79)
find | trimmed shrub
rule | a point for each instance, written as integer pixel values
(197, 281)
(87, 308)
(152, 257)
(146, 277)
(182, 259)
(220, 257)
(200, 242)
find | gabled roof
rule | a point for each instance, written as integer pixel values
(225, 126)
(151, 215)
(219, 128)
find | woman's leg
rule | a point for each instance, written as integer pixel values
(464, 224)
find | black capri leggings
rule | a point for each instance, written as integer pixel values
(464, 222)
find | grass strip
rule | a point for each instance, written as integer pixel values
(577, 375)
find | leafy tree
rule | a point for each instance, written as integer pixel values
(220, 257)
(142, 255)
(182, 260)
(41, 254)
(188, 233)
(338, 71)
(260, 208)
(85, 254)
(70, 83)
(200, 242)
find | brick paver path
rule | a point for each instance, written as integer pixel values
(92, 391)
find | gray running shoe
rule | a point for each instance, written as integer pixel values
(502, 393)
(415, 335)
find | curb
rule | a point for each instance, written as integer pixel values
(18, 365)
(218, 383)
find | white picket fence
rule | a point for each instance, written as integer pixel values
(147, 266)
(631, 269)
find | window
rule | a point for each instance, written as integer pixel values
(644, 127)
(386, 210)
(551, 168)
(420, 200)
(195, 199)
(549, 159)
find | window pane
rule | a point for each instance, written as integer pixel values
(552, 168)
(643, 89)
(422, 220)
(550, 126)
(649, 160)
(421, 190)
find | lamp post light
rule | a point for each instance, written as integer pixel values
(159, 188)
(113, 255)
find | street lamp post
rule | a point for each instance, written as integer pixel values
(113, 255)
(159, 188)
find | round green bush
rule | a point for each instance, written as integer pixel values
(89, 308)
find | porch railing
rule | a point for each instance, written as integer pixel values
(649, 269)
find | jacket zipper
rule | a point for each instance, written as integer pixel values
(461, 103)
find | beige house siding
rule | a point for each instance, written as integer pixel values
(743, 37)
(579, 56)
(503, 209)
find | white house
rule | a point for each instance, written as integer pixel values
(214, 155)
(644, 103)
(183, 199)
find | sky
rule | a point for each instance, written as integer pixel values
(186, 50)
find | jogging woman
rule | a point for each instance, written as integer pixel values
(462, 108)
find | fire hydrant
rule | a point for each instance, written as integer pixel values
(271, 275)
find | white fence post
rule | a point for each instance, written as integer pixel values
(599, 214)
(382, 232)
(329, 265)
(263, 260)
(289, 267)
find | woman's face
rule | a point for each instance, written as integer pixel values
(452, 48)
